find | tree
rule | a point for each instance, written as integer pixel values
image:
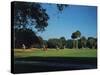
(75, 35)
(52, 43)
(63, 42)
(61, 6)
(91, 42)
(83, 41)
(28, 15)
(78, 34)
(69, 43)
(95, 44)
(26, 37)
(41, 42)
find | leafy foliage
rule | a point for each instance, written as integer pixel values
(28, 14)
(75, 35)
(61, 6)
(25, 36)
(54, 42)
(92, 42)
(83, 41)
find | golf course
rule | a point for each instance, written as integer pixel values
(53, 37)
(37, 60)
(55, 53)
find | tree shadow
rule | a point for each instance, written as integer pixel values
(47, 64)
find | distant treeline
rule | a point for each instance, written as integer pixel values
(30, 40)
(29, 17)
(90, 42)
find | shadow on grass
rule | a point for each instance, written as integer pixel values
(46, 64)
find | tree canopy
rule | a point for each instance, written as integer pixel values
(76, 34)
(26, 37)
(27, 15)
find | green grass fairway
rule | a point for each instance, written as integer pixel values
(55, 53)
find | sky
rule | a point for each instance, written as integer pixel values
(72, 18)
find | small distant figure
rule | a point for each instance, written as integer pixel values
(64, 46)
(23, 46)
(57, 47)
(45, 47)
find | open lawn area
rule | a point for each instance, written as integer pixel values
(37, 60)
(55, 53)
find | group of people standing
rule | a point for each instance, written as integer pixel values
(45, 47)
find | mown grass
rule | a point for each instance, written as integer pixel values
(55, 53)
